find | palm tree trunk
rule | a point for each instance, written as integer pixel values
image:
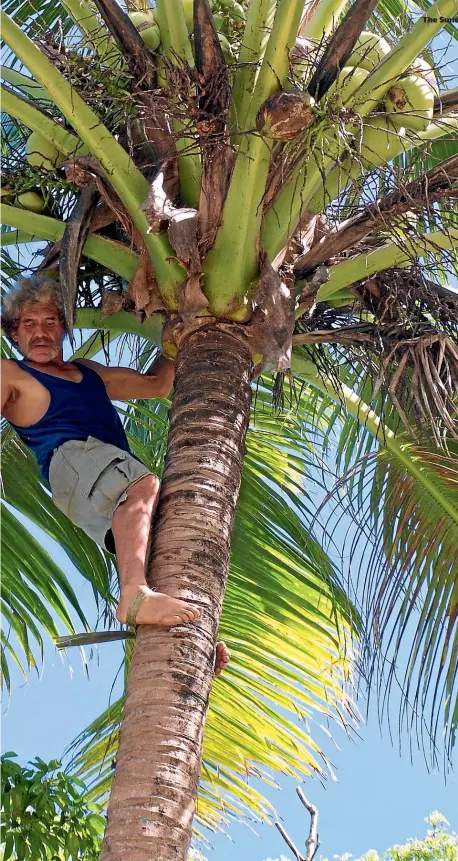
(157, 771)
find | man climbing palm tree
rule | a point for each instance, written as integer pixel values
(63, 412)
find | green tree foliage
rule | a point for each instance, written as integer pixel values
(45, 815)
(439, 844)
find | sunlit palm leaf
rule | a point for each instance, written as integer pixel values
(403, 551)
(418, 584)
(24, 560)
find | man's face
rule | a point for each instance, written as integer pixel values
(40, 333)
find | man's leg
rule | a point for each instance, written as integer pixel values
(131, 530)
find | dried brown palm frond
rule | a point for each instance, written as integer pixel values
(404, 328)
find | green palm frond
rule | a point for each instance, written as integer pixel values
(416, 584)
(404, 506)
(36, 593)
(33, 592)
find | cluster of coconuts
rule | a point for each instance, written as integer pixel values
(44, 156)
(226, 13)
(408, 104)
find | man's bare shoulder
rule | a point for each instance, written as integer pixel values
(13, 379)
(10, 370)
(96, 366)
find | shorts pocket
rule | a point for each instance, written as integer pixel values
(98, 457)
(63, 480)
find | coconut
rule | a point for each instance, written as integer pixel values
(410, 103)
(349, 79)
(142, 20)
(422, 69)
(42, 154)
(151, 37)
(381, 141)
(147, 28)
(285, 115)
(369, 50)
(31, 200)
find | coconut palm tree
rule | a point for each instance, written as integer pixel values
(277, 182)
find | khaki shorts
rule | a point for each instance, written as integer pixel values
(89, 479)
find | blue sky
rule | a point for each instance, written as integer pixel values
(380, 798)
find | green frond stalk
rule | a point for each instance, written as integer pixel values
(260, 17)
(282, 218)
(232, 263)
(350, 401)
(120, 323)
(174, 33)
(175, 42)
(37, 121)
(115, 256)
(189, 166)
(24, 83)
(386, 257)
(17, 237)
(85, 17)
(126, 179)
(401, 56)
(324, 20)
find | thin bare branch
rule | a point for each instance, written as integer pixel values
(312, 842)
(441, 181)
(289, 842)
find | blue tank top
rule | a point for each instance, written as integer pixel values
(76, 411)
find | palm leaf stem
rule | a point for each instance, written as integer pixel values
(259, 22)
(32, 117)
(353, 404)
(174, 32)
(176, 44)
(324, 19)
(232, 263)
(306, 190)
(126, 179)
(121, 322)
(84, 16)
(114, 255)
(392, 254)
(24, 83)
(17, 237)
(89, 348)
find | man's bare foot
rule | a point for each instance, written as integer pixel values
(222, 657)
(154, 608)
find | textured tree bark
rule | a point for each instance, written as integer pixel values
(158, 764)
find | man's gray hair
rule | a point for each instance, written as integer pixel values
(36, 290)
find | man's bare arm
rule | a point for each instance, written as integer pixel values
(123, 384)
(7, 384)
